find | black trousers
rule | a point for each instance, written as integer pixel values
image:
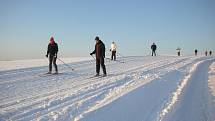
(100, 61)
(52, 59)
(153, 52)
(113, 56)
(179, 53)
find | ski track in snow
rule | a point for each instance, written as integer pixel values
(192, 100)
(177, 93)
(71, 95)
(211, 80)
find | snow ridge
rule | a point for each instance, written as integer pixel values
(177, 93)
(211, 80)
(135, 80)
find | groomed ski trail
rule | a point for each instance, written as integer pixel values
(72, 95)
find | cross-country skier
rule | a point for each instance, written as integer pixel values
(113, 48)
(206, 53)
(100, 55)
(52, 54)
(179, 51)
(154, 48)
(196, 51)
(210, 53)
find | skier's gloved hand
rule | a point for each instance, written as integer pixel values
(110, 49)
(91, 53)
(47, 55)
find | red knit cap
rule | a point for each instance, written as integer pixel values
(52, 40)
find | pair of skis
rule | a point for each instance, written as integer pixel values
(115, 60)
(49, 74)
(100, 76)
(110, 59)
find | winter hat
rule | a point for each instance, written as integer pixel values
(52, 40)
(97, 38)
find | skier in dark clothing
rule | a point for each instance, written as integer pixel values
(179, 51)
(154, 48)
(52, 54)
(100, 55)
(196, 51)
(206, 53)
(210, 53)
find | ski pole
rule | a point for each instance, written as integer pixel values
(65, 63)
(93, 57)
(115, 60)
(120, 55)
(108, 59)
(123, 57)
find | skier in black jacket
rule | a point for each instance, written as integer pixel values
(206, 53)
(210, 53)
(154, 48)
(196, 52)
(52, 54)
(100, 55)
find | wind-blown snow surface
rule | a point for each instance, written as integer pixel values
(18, 64)
(211, 79)
(140, 89)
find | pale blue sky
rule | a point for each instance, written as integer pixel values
(27, 25)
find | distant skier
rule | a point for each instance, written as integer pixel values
(100, 55)
(196, 51)
(210, 53)
(206, 53)
(179, 51)
(154, 48)
(113, 48)
(52, 54)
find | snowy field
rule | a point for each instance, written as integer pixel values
(137, 88)
(19, 64)
(212, 78)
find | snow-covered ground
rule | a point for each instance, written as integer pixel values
(18, 64)
(144, 88)
(211, 80)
